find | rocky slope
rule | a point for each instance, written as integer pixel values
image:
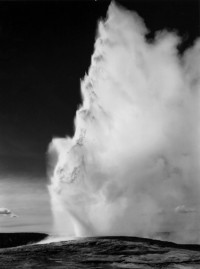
(102, 252)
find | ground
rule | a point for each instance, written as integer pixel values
(102, 252)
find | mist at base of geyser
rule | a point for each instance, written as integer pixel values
(132, 167)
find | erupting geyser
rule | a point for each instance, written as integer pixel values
(133, 165)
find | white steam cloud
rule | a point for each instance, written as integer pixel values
(133, 165)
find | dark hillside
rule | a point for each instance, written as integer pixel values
(103, 253)
(18, 239)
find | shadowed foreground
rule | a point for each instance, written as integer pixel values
(8, 240)
(103, 252)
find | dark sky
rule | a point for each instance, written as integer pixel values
(45, 49)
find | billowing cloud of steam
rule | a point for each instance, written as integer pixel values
(132, 167)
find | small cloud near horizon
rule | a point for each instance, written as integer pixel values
(5, 211)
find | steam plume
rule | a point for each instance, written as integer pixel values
(132, 167)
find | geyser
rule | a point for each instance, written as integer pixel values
(133, 164)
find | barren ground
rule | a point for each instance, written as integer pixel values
(100, 252)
